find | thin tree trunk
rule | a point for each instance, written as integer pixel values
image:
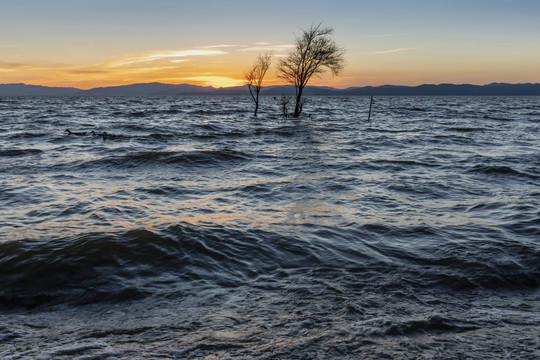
(370, 103)
(298, 107)
(256, 99)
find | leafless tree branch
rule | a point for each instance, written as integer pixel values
(254, 77)
(315, 53)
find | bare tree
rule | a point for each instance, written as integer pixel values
(255, 75)
(314, 54)
(284, 102)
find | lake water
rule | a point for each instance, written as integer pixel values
(196, 231)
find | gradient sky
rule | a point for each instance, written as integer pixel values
(90, 43)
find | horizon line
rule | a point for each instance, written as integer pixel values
(270, 86)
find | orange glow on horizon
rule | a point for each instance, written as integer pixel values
(214, 81)
(224, 65)
(81, 44)
(175, 71)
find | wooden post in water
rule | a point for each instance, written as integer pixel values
(370, 103)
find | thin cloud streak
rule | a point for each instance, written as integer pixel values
(162, 55)
(185, 53)
(392, 51)
(383, 35)
(89, 72)
(6, 66)
(270, 47)
(222, 46)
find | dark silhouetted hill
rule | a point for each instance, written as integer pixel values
(150, 89)
(160, 89)
(36, 90)
(494, 89)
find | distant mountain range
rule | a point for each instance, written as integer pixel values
(160, 89)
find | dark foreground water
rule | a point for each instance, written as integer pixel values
(200, 232)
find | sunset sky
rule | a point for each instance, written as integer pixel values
(90, 43)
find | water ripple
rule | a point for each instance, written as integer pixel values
(196, 230)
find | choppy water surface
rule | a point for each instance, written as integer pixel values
(198, 231)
